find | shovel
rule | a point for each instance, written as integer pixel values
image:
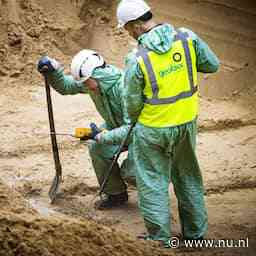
(58, 176)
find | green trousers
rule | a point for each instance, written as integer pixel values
(102, 155)
(164, 155)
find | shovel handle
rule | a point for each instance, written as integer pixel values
(52, 130)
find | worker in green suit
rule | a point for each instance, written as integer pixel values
(104, 83)
(162, 97)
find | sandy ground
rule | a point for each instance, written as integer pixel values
(227, 121)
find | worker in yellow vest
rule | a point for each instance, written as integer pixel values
(162, 97)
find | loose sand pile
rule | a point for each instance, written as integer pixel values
(24, 233)
(32, 28)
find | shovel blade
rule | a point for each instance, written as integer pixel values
(53, 191)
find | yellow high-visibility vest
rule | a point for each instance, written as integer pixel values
(171, 96)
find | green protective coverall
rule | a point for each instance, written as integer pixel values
(164, 155)
(109, 103)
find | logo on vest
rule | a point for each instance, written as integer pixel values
(171, 69)
(176, 57)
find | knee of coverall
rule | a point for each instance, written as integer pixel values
(102, 156)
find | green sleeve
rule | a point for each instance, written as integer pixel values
(115, 136)
(133, 87)
(207, 61)
(65, 84)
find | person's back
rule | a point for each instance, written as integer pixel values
(169, 60)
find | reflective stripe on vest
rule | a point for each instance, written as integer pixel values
(170, 80)
(155, 89)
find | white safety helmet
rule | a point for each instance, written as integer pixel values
(129, 10)
(84, 63)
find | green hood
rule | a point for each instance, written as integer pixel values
(159, 39)
(107, 76)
